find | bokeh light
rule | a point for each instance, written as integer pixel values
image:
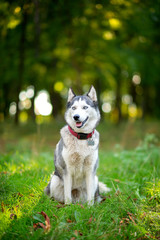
(30, 92)
(42, 105)
(58, 86)
(106, 107)
(127, 99)
(136, 79)
(13, 108)
(132, 110)
(115, 23)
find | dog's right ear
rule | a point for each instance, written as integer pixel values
(71, 95)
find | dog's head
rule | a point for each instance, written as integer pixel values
(82, 113)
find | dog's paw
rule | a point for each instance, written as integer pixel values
(68, 201)
(90, 202)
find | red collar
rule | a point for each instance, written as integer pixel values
(81, 136)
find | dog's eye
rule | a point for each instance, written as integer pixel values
(85, 107)
(73, 108)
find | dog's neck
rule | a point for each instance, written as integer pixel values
(80, 136)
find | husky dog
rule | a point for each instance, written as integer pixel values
(76, 154)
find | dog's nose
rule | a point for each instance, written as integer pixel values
(76, 117)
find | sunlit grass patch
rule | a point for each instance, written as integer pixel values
(22, 178)
(149, 211)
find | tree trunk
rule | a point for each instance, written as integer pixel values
(37, 28)
(118, 95)
(6, 101)
(21, 60)
(56, 101)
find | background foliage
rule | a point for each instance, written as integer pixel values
(52, 45)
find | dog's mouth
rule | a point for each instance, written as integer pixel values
(80, 124)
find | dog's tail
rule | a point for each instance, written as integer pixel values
(103, 188)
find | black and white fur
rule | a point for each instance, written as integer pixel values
(76, 162)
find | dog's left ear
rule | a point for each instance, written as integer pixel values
(92, 94)
(71, 95)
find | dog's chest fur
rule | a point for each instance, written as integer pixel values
(79, 157)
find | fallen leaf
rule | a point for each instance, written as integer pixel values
(55, 216)
(17, 207)
(3, 172)
(80, 205)
(132, 220)
(43, 226)
(103, 199)
(31, 194)
(2, 206)
(135, 199)
(19, 194)
(151, 198)
(69, 221)
(90, 220)
(143, 215)
(13, 216)
(61, 206)
(117, 180)
(76, 233)
(15, 195)
(73, 238)
(80, 233)
(130, 214)
(36, 225)
(118, 193)
(47, 221)
(47, 225)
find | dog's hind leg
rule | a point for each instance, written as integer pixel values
(56, 189)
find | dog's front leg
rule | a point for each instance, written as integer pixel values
(67, 188)
(90, 187)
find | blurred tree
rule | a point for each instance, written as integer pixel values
(79, 43)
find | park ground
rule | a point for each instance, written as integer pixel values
(129, 165)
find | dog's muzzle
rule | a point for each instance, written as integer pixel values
(79, 124)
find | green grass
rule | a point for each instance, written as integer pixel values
(130, 211)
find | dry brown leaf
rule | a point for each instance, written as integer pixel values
(73, 238)
(117, 180)
(130, 214)
(132, 220)
(2, 206)
(55, 216)
(69, 220)
(80, 233)
(103, 199)
(90, 220)
(80, 205)
(76, 232)
(47, 221)
(47, 225)
(61, 206)
(31, 195)
(118, 193)
(19, 194)
(36, 225)
(135, 199)
(13, 216)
